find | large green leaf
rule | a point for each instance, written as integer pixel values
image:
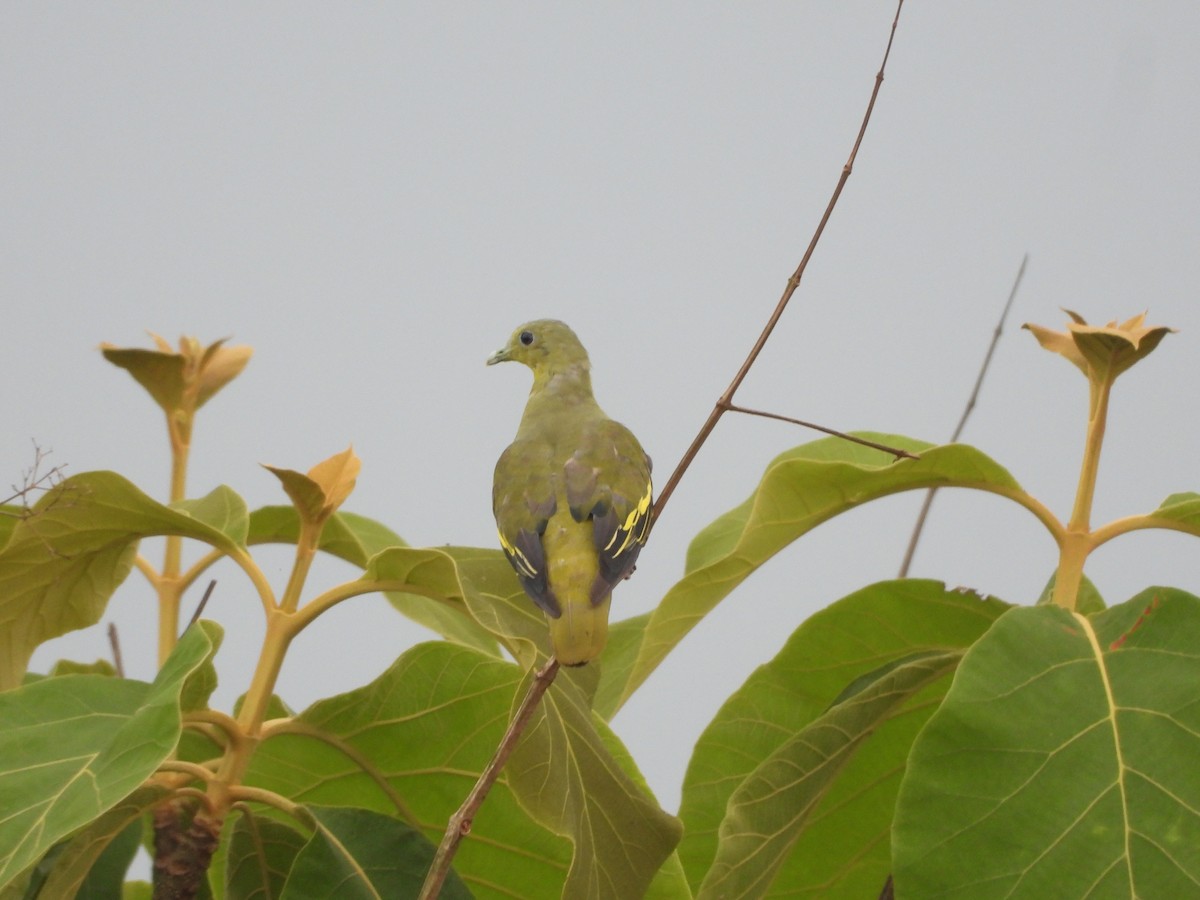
(842, 849)
(441, 605)
(770, 809)
(1061, 762)
(358, 854)
(73, 747)
(801, 489)
(413, 742)
(260, 856)
(93, 862)
(65, 559)
(496, 601)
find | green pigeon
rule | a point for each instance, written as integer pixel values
(571, 494)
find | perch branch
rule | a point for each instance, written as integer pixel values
(460, 822)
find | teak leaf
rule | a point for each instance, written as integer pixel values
(771, 808)
(562, 772)
(73, 747)
(71, 552)
(842, 849)
(318, 494)
(1070, 732)
(261, 853)
(359, 854)
(801, 489)
(184, 380)
(426, 728)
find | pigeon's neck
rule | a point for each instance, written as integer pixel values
(562, 392)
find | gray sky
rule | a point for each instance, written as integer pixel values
(373, 196)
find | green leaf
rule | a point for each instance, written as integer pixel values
(413, 743)
(347, 536)
(1182, 511)
(1056, 766)
(223, 510)
(67, 557)
(71, 667)
(93, 863)
(73, 747)
(10, 515)
(563, 773)
(843, 847)
(200, 684)
(261, 853)
(357, 853)
(771, 808)
(800, 489)
(495, 600)
(161, 374)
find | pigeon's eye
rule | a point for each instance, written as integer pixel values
(526, 338)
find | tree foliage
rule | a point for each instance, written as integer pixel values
(964, 745)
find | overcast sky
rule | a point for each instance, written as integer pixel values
(374, 195)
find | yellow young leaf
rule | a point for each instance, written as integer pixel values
(183, 380)
(318, 494)
(336, 477)
(1102, 352)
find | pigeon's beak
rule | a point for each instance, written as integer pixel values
(498, 357)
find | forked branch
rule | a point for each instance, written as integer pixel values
(725, 403)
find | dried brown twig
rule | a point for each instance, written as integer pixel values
(33, 480)
(725, 403)
(962, 422)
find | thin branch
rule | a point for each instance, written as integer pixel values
(962, 422)
(34, 479)
(725, 403)
(203, 603)
(460, 822)
(894, 451)
(115, 643)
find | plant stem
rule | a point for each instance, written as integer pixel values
(460, 822)
(1077, 543)
(169, 587)
(306, 549)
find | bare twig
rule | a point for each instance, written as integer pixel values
(115, 642)
(34, 479)
(962, 422)
(894, 451)
(203, 602)
(460, 822)
(725, 403)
